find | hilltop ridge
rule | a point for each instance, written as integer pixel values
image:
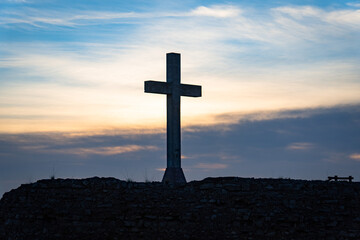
(214, 208)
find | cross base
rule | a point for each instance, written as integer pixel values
(174, 176)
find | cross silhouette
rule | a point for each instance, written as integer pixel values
(173, 90)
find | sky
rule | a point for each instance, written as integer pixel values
(280, 88)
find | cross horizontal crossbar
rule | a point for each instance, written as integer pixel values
(166, 88)
(190, 90)
(157, 87)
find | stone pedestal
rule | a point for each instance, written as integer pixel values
(174, 175)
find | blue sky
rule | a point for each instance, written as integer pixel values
(76, 69)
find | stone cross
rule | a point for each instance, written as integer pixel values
(173, 90)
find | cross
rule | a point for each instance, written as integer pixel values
(173, 90)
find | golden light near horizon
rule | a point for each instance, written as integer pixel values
(53, 108)
(100, 86)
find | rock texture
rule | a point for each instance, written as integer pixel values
(215, 208)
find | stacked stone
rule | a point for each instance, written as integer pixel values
(214, 208)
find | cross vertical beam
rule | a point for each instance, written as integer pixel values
(174, 90)
(173, 125)
(173, 172)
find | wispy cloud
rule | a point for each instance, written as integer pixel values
(220, 11)
(346, 17)
(38, 18)
(354, 4)
(300, 12)
(17, 1)
(211, 166)
(242, 25)
(355, 156)
(300, 146)
(335, 157)
(314, 23)
(105, 151)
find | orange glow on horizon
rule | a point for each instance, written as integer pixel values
(87, 126)
(53, 108)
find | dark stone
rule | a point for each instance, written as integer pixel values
(214, 208)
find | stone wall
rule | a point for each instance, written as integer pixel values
(215, 208)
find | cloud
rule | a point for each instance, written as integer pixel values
(277, 22)
(37, 18)
(353, 4)
(300, 146)
(220, 11)
(321, 142)
(101, 86)
(300, 12)
(18, 1)
(211, 166)
(105, 151)
(349, 18)
(318, 17)
(41, 19)
(355, 156)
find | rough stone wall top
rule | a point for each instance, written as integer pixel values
(215, 208)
